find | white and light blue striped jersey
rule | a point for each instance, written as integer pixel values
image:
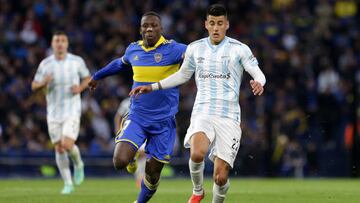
(218, 74)
(61, 102)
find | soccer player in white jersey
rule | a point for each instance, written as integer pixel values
(218, 62)
(65, 76)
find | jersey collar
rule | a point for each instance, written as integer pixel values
(215, 47)
(160, 41)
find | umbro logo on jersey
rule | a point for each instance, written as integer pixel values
(136, 57)
(157, 57)
(200, 59)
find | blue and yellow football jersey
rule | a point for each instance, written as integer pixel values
(152, 65)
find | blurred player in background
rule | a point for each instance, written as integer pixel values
(61, 74)
(151, 117)
(137, 166)
(218, 62)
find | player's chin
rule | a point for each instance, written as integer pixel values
(150, 37)
(216, 38)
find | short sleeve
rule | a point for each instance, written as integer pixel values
(40, 73)
(189, 61)
(126, 57)
(83, 70)
(179, 53)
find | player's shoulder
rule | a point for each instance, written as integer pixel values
(74, 57)
(134, 45)
(197, 42)
(242, 47)
(172, 44)
(46, 61)
(235, 42)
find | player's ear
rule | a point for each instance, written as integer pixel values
(206, 24)
(227, 24)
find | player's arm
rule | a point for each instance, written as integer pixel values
(251, 66)
(42, 78)
(112, 68)
(36, 85)
(84, 74)
(259, 80)
(176, 79)
(77, 89)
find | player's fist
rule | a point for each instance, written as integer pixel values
(92, 84)
(47, 79)
(140, 90)
(256, 87)
(76, 89)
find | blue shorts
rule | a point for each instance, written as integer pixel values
(159, 137)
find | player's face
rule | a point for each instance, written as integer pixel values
(216, 27)
(150, 30)
(60, 44)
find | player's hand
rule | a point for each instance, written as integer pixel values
(76, 89)
(256, 87)
(140, 90)
(47, 79)
(92, 84)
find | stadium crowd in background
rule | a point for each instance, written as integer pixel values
(308, 50)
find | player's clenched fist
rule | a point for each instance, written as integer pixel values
(92, 84)
(256, 87)
(140, 90)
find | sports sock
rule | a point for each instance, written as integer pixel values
(219, 192)
(62, 162)
(140, 171)
(147, 191)
(76, 156)
(197, 176)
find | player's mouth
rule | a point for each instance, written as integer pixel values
(216, 35)
(150, 36)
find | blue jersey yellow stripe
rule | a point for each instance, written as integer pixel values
(152, 65)
(153, 73)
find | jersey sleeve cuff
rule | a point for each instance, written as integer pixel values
(155, 86)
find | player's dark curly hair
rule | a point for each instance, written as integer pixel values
(216, 10)
(152, 13)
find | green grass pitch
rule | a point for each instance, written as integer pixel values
(123, 190)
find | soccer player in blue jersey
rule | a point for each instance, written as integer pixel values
(218, 62)
(152, 116)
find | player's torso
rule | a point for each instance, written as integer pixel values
(218, 69)
(218, 77)
(64, 72)
(153, 65)
(61, 102)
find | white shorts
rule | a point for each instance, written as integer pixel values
(68, 128)
(224, 135)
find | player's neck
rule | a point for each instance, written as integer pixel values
(152, 43)
(60, 56)
(149, 44)
(216, 43)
